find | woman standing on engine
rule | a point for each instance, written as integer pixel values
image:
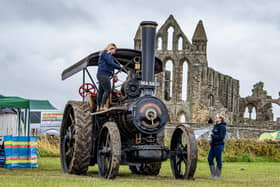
(106, 67)
(218, 134)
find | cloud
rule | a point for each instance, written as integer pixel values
(41, 38)
(54, 12)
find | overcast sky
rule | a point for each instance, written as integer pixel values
(38, 39)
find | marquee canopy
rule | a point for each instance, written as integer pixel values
(18, 102)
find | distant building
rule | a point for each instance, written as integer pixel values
(191, 89)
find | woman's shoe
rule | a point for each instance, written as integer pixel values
(98, 109)
(212, 171)
(101, 108)
(218, 172)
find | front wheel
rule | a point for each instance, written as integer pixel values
(109, 150)
(183, 153)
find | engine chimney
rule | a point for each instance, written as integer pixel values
(148, 56)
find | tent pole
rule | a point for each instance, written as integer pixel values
(28, 129)
(25, 121)
(18, 122)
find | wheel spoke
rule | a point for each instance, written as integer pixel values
(178, 165)
(105, 166)
(107, 140)
(69, 151)
(107, 156)
(72, 119)
(107, 161)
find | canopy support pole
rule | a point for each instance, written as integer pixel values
(84, 79)
(28, 129)
(25, 121)
(18, 121)
(91, 79)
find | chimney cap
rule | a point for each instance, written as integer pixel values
(148, 23)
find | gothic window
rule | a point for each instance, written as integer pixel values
(250, 112)
(170, 32)
(275, 111)
(202, 75)
(185, 81)
(210, 100)
(168, 80)
(226, 88)
(246, 113)
(182, 118)
(159, 43)
(212, 79)
(232, 99)
(180, 43)
(254, 113)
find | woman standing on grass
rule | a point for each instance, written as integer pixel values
(218, 134)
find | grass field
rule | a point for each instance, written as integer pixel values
(234, 174)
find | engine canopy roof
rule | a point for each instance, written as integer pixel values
(122, 55)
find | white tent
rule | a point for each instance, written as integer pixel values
(9, 123)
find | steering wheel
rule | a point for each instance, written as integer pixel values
(87, 89)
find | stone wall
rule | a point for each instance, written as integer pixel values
(237, 131)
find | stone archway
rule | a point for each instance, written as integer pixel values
(250, 112)
(182, 117)
(276, 112)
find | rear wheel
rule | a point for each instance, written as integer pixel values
(109, 150)
(76, 138)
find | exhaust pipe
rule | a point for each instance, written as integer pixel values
(148, 56)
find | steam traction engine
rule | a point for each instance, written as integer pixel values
(130, 132)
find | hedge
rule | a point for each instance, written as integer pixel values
(236, 150)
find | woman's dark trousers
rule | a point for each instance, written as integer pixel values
(215, 153)
(104, 88)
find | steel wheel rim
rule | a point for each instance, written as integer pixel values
(180, 154)
(68, 140)
(104, 153)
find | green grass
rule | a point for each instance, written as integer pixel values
(234, 174)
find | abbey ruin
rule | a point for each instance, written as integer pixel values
(195, 92)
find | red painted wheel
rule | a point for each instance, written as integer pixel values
(87, 89)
